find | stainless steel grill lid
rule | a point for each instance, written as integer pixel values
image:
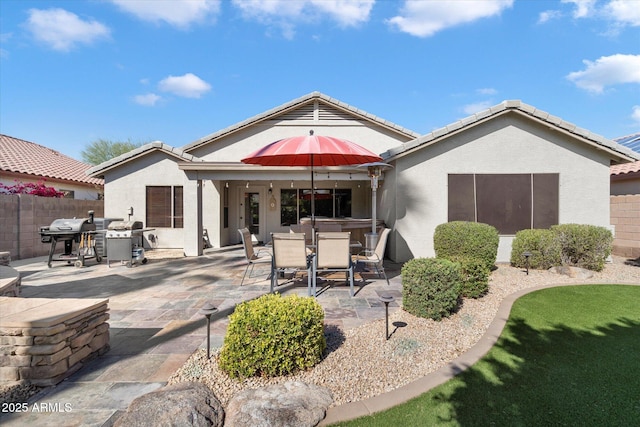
(124, 225)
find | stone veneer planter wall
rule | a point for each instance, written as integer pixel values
(43, 341)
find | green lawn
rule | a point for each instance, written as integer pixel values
(568, 356)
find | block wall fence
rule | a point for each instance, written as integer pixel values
(22, 215)
(625, 216)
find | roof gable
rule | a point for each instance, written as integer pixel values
(615, 150)
(314, 106)
(144, 150)
(20, 156)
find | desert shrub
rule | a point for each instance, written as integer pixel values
(475, 278)
(583, 245)
(472, 244)
(461, 241)
(541, 243)
(430, 287)
(272, 336)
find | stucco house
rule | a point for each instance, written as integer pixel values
(512, 166)
(28, 162)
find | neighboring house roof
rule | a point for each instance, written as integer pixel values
(24, 157)
(625, 169)
(616, 150)
(338, 110)
(178, 153)
(630, 141)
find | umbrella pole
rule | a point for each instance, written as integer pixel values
(313, 198)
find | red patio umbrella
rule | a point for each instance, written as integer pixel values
(311, 150)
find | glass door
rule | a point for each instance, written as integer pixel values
(251, 213)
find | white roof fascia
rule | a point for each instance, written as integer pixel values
(617, 151)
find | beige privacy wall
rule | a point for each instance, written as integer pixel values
(625, 217)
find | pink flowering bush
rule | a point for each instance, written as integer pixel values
(37, 189)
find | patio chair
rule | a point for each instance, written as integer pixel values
(290, 252)
(307, 229)
(263, 255)
(333, 253)
(375, 258)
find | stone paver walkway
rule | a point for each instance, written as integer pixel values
(155, 325)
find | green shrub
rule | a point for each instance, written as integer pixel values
(582, 245)
(430, 287)
(475, 278)
(272, 336)
(461, 241)
(541, 243)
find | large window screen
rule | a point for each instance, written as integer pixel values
(509, 202)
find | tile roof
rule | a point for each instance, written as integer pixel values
(295, 104)
(178, 153)
(20, 156)
(618, 151)
(625, 168)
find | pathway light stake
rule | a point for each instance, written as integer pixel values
(526, 255)
(207, 310)
(386, 299)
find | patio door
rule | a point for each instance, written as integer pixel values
(252, 212)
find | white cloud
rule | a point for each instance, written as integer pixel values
(584, 8)
(486, 91)
(425, 18)
(149, 99)
(635, 114)
(286, 14)
(187, 86)
(624, 12)
(476, 107)
(63, 30)
(607, 71)
(548, 15)
(178, 13)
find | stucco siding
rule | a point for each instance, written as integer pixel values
(239, 144)
(125, 187)
(504, 145)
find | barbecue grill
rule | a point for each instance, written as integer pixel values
(79, 230)
(124, 242)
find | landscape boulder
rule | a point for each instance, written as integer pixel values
(182, 404)
(291, 404)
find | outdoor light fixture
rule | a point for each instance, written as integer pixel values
(271, 184)
(207, 310)
(291, 183)
(247, 184)
(386, 299)
(226, 184)
(526, 256)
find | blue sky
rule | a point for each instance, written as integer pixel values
(72, 72)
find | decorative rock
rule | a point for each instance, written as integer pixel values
(5, 258)
(573, 272)
(182, 404)
(292, 404)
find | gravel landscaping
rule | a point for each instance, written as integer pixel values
(360, 363)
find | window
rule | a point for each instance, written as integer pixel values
(164, 206)
(509, 202)
(331, 203)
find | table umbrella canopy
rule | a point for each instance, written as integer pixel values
(311, 150)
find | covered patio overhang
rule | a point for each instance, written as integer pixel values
(236, 177)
